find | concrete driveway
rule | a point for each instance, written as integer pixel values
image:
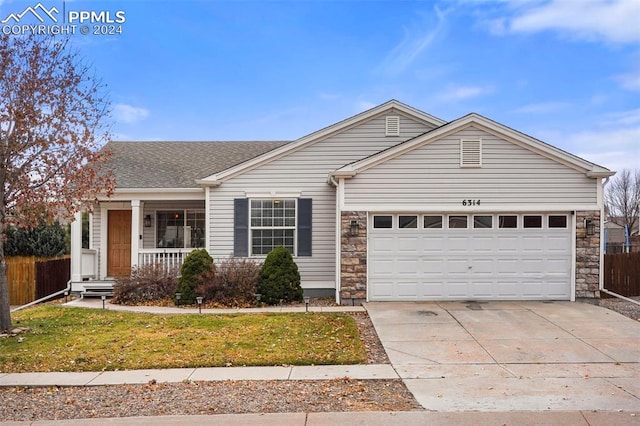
(505, 356)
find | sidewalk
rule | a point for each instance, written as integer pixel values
(403, 418)
(96, 303)
(178, 375)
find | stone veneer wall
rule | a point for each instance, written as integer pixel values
(353, 259)
(587, 256)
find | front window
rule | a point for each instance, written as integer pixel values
(180, 229)
(273, 224)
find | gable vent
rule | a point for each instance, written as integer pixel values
(392, 125)
(470, 153)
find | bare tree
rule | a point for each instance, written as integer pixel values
(53, 114)
(623, 198)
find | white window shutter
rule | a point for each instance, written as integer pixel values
(470, 153)
(392, 125)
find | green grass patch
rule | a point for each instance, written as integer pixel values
(76, 339)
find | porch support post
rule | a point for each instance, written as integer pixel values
(135, 231)
(76, 248)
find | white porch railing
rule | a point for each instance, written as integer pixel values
(89, 264)
(170, 258)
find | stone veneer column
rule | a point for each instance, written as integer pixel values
(587, 256)
(353, 259)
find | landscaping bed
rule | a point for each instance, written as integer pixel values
(228, 397)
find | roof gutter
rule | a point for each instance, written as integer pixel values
(205, 182)
(600, 174)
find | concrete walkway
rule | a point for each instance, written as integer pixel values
(508, 356)
(96, 303)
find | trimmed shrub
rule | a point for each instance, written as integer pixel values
(279, 278)
(145, 284)
(233, 283)
(195, 264)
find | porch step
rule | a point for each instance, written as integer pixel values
(104, 288)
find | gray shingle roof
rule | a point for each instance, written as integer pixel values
(178, 164)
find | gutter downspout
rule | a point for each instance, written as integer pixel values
(602, 289)
(332, 181)
(619, 296)
(42, 299)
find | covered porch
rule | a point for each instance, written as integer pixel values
(120, 235)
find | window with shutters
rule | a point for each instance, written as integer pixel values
(470, 153)
(272, 224)
(392, 125)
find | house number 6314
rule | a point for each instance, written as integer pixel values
(470, 202)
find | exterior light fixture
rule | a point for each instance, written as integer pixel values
(104, 298)
(147, 221)
(354, 228)
(590, 225)
(258, 298)
(178, 297)
(306, 303)
(199, 300)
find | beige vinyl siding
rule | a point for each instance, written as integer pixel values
(431, 175)
(305, 172)
(150, 208)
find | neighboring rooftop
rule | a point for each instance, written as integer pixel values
(178, 164)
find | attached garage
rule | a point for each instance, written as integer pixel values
(469, 256)
(471, 210)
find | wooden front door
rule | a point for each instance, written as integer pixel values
(119, 243)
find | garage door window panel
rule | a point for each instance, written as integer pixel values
(508, 222)
(432, 222)
(458, 222)
(483, 222)
(407, 222)
(557, 221)
(532, 221)
(383, 222)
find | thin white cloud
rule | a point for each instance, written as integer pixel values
(542, 108)
(417, 39)
(623, 118)
(613, 21)
(129, 114)
(457, 93)
(629, 81)
(613, 142)
(615, 149)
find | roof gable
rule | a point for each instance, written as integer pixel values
(390, 106)
(485, 124)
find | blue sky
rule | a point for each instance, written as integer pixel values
(566, 72)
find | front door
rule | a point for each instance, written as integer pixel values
(119, 243)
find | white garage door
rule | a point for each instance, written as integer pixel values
(469, 257)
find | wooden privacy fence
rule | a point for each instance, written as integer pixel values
(622, 273)
(31, 278)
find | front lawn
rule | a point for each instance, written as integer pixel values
(76, 339)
